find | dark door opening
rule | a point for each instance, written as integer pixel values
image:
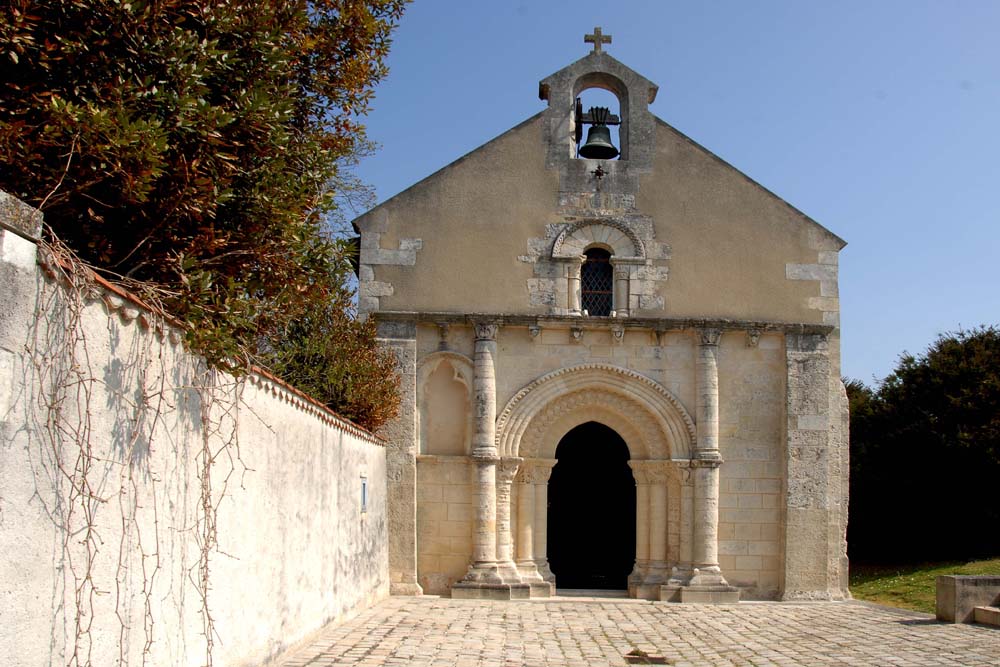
(591, 514)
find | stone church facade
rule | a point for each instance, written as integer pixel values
(615, 373)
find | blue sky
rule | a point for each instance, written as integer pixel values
(879, 119)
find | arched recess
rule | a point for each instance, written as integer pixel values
(444, 400)
(618, 238)
(649, 418)
(615, 86)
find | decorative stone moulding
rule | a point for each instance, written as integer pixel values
(600, 383)
(617, 236)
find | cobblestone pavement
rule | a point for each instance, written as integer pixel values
(440, 632)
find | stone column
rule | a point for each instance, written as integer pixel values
(528, 526)
(505, 541)
(659, 476)
(401, 461)
(621, 287)
(707, 583)
(687, 525)
(651, 528)
(638, 575)
(573, 265)
(525, 525)
(543, 470)
(484, 578)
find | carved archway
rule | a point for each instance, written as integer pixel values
(653, 424)
(649, 418)
(618, 238)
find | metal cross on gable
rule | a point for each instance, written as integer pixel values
(597, 39)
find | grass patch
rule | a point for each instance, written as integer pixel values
(910, 586)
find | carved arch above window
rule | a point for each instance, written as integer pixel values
(621, 241)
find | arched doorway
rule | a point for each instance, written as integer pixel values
(591, 513)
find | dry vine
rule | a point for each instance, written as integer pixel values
(65, 383)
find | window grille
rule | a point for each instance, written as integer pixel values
(597, 282)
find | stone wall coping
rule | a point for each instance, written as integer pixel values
(119, 300)
(655, 324)
(20, 218)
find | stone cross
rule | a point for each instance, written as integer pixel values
(597, 39)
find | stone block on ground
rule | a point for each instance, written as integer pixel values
(959, 595)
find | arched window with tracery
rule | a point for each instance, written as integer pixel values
(597, 282)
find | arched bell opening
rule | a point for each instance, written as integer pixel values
(591, 510)
(598, 132)
(603, 133)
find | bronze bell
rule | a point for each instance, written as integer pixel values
(599, 146)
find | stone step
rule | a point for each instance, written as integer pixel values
(988, 615)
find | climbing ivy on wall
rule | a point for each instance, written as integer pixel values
(196, 151)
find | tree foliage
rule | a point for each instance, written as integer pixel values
(197, 147)
(925, 454)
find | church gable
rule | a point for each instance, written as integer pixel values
(687, 235)
(588, 343)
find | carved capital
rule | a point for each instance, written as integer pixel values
(638, 472)
(709, 337)
(485, 330)
(535, 471)
(507, 468)
(652, 472)
(622, 272)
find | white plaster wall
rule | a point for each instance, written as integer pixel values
(293, 549)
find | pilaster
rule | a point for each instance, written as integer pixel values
(401, 460)
(812, 472)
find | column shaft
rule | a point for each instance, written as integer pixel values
(621, 291)
(484, 454)
(658, 524)
(525, 523)
(687, 527)
(706, 518)
(642, 523)
(505, 540)
(542, 519)
(573, 285)
(708, 394)
(639, 571)
(484, 546)
(705, 463)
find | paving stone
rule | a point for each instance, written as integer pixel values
(439, 632)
